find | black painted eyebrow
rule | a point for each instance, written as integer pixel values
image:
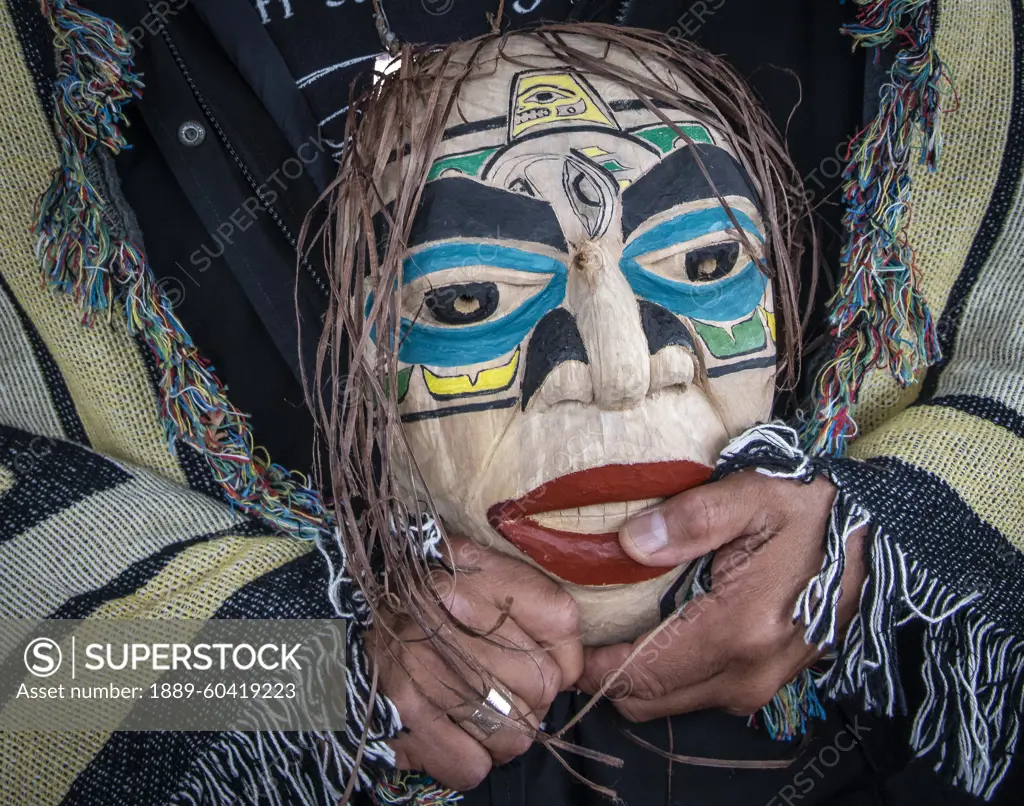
(633, 104)
(473, 126)
(458, 207)
(678, 179)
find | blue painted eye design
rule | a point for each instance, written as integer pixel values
(468, 303)
(716, 281)
(450, 321)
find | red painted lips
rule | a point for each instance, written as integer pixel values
(590, 559)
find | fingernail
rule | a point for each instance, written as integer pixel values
(647, 532)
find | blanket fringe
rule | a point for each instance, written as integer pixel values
(790, 711)
(879, 316)
(295, 768)
(309, 768)
(86, 251)
(973, 672)
(407, 789)
(973, 669)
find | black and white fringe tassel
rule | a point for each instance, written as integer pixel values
(302, 768)
(973, 670)
(313, 768)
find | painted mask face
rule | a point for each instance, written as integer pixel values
(584, 327)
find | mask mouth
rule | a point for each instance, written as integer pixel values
(595, 518)
(569, 526)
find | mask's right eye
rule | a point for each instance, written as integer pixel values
(462, 303)
(466, 303)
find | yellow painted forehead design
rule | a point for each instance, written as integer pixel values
(542, 98)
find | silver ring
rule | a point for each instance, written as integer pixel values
(483, 717)
(497, 701)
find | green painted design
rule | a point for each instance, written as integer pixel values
(469, 163)
(665, 138)
(613, 165)
(747, 337)
(403, 382)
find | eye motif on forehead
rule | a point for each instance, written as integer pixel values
(543, 99)
(544, 96)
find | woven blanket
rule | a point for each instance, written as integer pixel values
(130, 487)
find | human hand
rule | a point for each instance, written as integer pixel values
(533, 654)
(735, 647)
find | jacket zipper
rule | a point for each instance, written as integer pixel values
(275, 216)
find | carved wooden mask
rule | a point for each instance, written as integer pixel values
(584, 326)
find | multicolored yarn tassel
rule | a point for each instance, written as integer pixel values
(87, 253)
(94, 81)
(879, 315)
(792, 707)
(412, 789)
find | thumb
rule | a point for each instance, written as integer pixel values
(599, 664)
(694, 522)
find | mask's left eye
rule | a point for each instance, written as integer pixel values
(712, 262)
(695, 265)
(462, 303)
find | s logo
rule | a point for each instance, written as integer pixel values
(42, 657)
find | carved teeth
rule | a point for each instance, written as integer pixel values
(596, 518)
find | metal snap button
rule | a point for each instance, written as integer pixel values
(191, 133)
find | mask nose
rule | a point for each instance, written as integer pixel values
(609, 323)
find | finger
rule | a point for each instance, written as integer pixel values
(605, 665)
(436, 746)
(706, 694)
(544, 611)
(550, 616)
(632, 692)
(739, 689)
(430, 741)
(508, 653)
(680, 653)
(509, 741)
(445, 688)
(695, 522)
